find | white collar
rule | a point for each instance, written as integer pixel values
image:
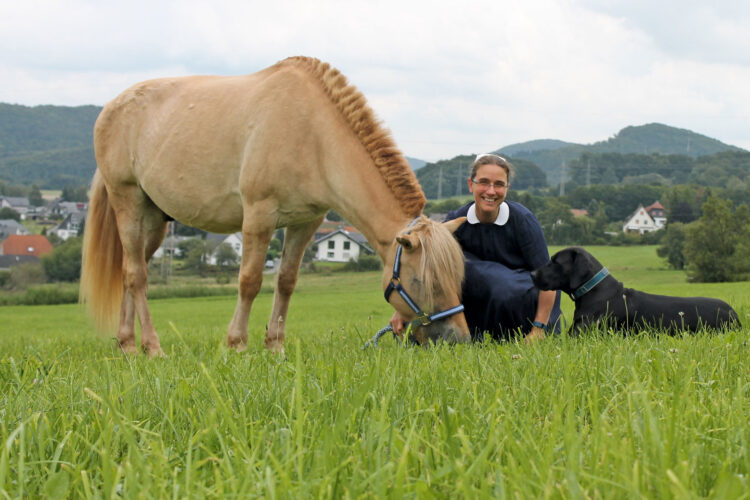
(502, 215)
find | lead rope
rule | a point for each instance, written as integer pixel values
(373, 342)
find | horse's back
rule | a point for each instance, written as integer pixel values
(208, 138)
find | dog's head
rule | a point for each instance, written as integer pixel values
(567, 270)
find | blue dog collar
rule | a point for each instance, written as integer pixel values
(590, 284)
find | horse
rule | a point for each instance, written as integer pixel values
(256, 152)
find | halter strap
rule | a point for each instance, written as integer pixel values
(590, 284)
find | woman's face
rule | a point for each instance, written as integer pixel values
(489, 187)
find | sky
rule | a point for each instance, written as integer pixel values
(447, 78)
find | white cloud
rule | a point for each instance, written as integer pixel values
(447, 77)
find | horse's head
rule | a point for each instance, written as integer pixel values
(430, 270)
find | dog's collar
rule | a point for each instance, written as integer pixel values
(586, 287)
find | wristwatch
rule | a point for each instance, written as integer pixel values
(539, 324)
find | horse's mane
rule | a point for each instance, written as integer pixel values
(442, 268)
(376, 139)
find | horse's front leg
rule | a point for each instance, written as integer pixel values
(126, 331)
(295, 241)
(255, 240)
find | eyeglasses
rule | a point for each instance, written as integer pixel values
(485, 184)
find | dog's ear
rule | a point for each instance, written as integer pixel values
(580, 267)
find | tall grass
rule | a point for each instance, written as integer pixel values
(599, 416)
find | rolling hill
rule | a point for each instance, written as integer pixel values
(52, 146)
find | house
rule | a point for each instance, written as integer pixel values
(70, 226)
(657, 212)
(8, 261)
(234, 240)
(579, 212)
(329, 226)
(640, 222)
(31, 244)
(59, 207)
(20, 205)
(10, 226)
(341, 246)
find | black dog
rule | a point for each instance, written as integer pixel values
(600, 297)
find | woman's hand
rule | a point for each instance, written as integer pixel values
(534, 335)
(397, 323)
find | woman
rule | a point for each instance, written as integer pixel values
(503, 242)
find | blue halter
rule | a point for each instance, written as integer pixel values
(395, 284)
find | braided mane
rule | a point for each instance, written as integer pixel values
(376, 139)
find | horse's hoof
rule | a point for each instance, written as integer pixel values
(276, 348)
(237, 344)
(241, 347)
(154, 352)
(128, 348)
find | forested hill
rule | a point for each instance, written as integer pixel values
(51, 146)
(642, 140)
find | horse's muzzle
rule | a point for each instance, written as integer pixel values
(440, 331)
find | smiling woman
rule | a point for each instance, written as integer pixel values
(503, 242)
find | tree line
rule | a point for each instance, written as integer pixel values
(447, 178)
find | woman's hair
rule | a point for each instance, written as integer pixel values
(491, 159)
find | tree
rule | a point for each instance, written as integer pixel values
(64, 263)
(35, 196)
(683, 203)
(274, 249)
(673, 244)
(225, 255)
(557, 222)
(195, 254)
(70, 193)
(711, 243)
(9, 213)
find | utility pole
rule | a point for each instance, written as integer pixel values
(167, 252)
(458, 180)
(588, 173)
(562, 179)
(440, 183)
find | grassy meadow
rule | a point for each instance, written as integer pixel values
(599, 416)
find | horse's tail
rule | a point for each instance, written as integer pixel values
(101, 265)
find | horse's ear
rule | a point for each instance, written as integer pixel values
(408, 241)
(452, 225)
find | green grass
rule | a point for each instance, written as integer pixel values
(599, 416)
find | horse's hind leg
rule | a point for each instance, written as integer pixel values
(142, 226)
(126, 331)
(256, 235)
(295, 241)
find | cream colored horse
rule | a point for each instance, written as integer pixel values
(277, 148)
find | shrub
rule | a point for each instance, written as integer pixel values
(673, 245)
(24, 275)
(712, 242)
(365, 263)
(64, 263)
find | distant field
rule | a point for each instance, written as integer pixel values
(595, 417)
(51, 194)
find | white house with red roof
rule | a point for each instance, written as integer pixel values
(646, 219)
(341, 246)
(657, 212)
